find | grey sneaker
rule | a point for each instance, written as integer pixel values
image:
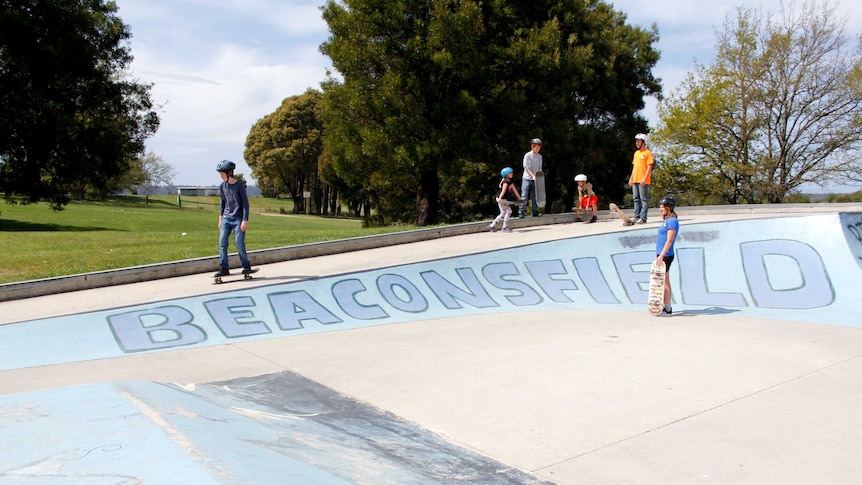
(222, 272)
(667, 310)
(492, 228)
(246, 270)
(507, 229)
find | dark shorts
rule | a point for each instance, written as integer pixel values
(668, 260)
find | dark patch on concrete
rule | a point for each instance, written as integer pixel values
(356, 441)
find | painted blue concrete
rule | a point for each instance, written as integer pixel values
(803, 269)
(279, 429)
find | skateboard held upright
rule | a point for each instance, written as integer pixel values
(627, 221)
(656, 288)
(540, 188)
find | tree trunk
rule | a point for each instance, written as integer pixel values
(427, 198)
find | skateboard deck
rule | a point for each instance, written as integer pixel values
(627, 221)
(540, 188)
(246, 276)
(509, 203)
(656, 288)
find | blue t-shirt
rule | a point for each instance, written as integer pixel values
(669, 223)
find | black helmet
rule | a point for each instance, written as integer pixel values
(668, 202)
(225, 166)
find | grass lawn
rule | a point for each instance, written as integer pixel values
(125, 231)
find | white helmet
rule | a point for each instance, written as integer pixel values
(641, 136)
(580, 178)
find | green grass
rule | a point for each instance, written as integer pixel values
(124, 231)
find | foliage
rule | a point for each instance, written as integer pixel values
(430, 98)
(70, 119)
(781, 106)
(283, 149)
(126, 231)
(149, 172)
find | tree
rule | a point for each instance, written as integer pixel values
(283, 148)
(70, 117)
(153, 172)
(779, 108)
(436, 96)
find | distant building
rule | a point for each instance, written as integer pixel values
(192, 190)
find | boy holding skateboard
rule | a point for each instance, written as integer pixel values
(507, 186)
(532, 164)
(233, 216)
(587, 199)
(665, 240)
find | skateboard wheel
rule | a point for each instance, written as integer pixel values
(218, 281)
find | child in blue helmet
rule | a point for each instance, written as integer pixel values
(504, 199)
(232, 216)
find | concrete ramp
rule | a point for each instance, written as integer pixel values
(534, 363)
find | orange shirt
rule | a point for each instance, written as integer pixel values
(641, 160)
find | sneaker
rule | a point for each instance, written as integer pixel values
(667, 310)
(507, 229)
(222, 272)
(492, 228)
(640, 221)
(593, 219)
(246, 270)
(578, 219)
(522, 215)
(537, 215)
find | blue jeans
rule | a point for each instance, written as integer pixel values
(640, 197)
(229, 224)
(528, 193)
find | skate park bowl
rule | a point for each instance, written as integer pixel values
(487, 358)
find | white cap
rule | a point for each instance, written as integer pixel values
(580, 177)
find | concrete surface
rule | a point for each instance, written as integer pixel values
(479, 358)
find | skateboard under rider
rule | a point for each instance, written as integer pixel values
(655, 302)
(246, 275)
(615, 209)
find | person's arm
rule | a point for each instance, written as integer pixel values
(528, 166)
(647, 173)
(246, 207)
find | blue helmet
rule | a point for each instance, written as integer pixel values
(225, 166)
(506, 171)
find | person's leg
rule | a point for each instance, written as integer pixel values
(224, 233)
(525, 196)
(636, 200)
(506, 215)
(239, 240)
(499, 217)
(668, 261)
(534, 200)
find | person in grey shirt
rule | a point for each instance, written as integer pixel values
(232, 217)
(532, 164)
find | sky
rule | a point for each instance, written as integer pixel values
(218, 66)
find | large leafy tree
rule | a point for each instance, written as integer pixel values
(283, 148)
(70, 117)
(781, 106)
(431, 98)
